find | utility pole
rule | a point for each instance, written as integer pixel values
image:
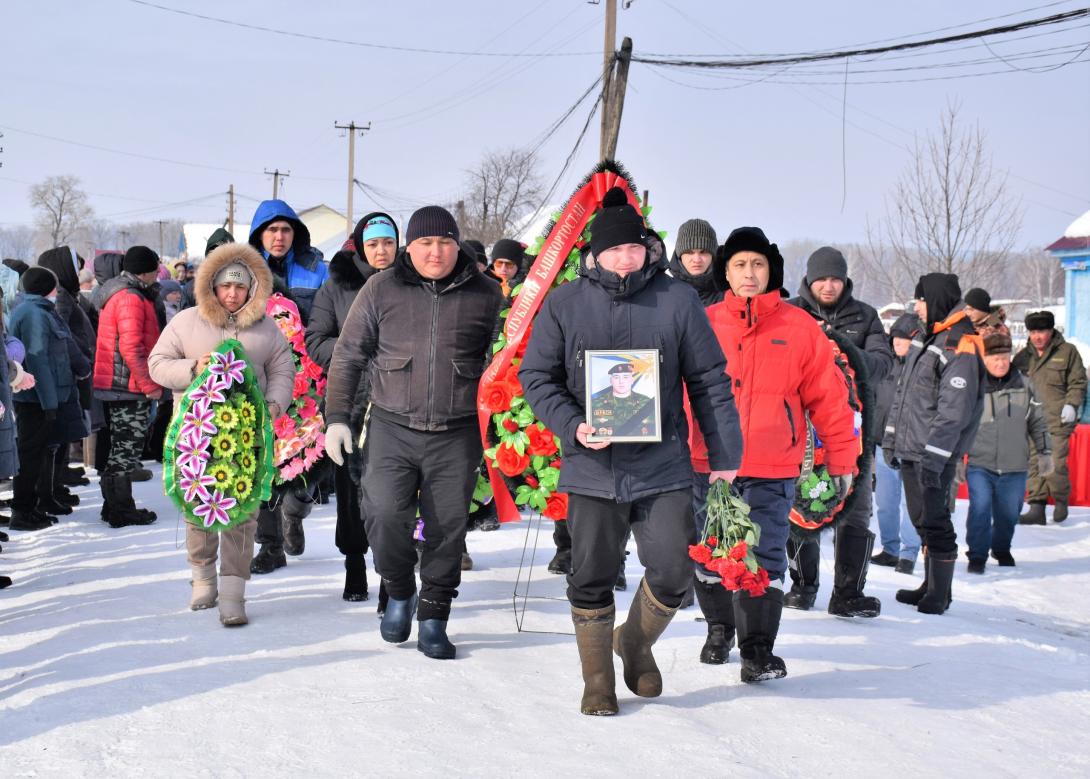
(231, 209)
(277, 174)
(351, 128)
(160, 223)
(125, 239)
(616, 100)
(608, 55)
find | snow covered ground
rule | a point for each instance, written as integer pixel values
(105, 672)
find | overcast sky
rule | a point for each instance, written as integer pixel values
(231, 102)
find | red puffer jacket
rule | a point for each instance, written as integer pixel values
(781, 365)
(127, 332)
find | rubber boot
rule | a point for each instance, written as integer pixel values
(912, 597)
(1059, 512)
(397, 621)
(853, 549)
(757, 621)
(717, 605)
(594, 638)
(271, 555)
(293, 510)
(632, 642)
(940, 575)
(204, 587)
(232, 590)
(123, 512)
(47, 502)
(803, 563)
(1035, 515)
(432, 641)
(355, 578)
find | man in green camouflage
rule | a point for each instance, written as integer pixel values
(1059, 378)
(618, 410)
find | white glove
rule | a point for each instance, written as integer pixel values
(843, 485)
(338, 442)
(1067, 414)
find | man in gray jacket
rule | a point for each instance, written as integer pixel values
(419, 336)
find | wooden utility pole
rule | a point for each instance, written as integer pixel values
(277, 174)
(460, 213)
(231, 209)
(351, 128)
(160, 221)
(608, 56)
(616, 100)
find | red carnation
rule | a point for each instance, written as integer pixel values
(510, 462)
(556, 506)
(510, 425)
(712, 542)
(497, 397)
(738, 551)
(701, 554)
(555, 463)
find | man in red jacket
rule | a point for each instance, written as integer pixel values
(781, 368)
(127, 331)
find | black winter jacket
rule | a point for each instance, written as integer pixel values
(420, 346)
(940, 396)
(856, 320)
(646, 310)
(704, 284)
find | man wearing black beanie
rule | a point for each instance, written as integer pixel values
(623, 299)
(826, 293)
(417, 337)
(127, 331)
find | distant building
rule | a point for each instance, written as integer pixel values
(1073, 252)
(326, 225)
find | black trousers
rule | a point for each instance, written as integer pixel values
(435, 472)
(351, 535)
(33, 438)
(663, 527)
(929, 508)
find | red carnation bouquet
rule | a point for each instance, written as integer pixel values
(729, 538)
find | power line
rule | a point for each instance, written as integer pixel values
(360, 44)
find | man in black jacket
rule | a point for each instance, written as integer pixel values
(418, 336)
(625, 300)
(376, 237)
(826, 294)
(694, 251)
(931, 426)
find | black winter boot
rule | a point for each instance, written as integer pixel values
(268, 559)
(397, 621)
(123, 512)
(28, 520)
(383, 597)
(74, 477)
(940, 575)
(912, 597)
(355, 577)
(5, 582)
(431, 639)
(140, 473)
(293, 510)
(1059, 512)
(717, 605)
(853, 549)
(1035, 515)
(594, 638)
(757, 621)
(803, 563)
(561, 562)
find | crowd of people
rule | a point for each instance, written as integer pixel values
(404, 327)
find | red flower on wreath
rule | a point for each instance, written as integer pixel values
(510, 425)
(556, 506)
(497, 397)
(510, 462)
(312, 369)
(542, 442)
(511, 379)
(301, 386)
(532, 483)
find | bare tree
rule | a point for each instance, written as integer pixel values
(17, 242)
(1040, 277)
(950, 212)
(62, 208)
(501, 188)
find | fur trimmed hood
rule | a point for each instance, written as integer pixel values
(253, 310)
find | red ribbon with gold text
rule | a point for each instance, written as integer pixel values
(554, 253)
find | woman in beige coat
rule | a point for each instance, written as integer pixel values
(232, 286)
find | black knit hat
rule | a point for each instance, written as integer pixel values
(431, 221)
(979, 299)
(38, 281)
(508, 249)
(1040, 320)
(616, 223)
(905, 326)
(749, 239)
(695, 235)
(140, 259)
(824, 263)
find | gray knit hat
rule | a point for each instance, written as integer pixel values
(695, 235)
(826, 262)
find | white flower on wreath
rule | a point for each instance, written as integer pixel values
(817, 490)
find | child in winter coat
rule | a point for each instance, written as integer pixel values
(999, 457)
(233, 285)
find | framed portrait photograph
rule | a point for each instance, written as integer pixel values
(623, 396)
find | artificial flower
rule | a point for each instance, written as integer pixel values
(222, 473)
(542, 441)
(497, 397)
(215, 509)
(510, 462)
(224, 446)
(556, 506)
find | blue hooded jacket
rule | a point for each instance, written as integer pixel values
(302, 270)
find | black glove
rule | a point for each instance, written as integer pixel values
(891, 461)
(930, 479)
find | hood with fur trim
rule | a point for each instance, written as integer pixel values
(253, 310)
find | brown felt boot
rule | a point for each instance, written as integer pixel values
(232, 597)
(204, 587)
(593, 636)
(632, 642)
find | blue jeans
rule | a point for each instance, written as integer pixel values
(995, 500)
(899, 537)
